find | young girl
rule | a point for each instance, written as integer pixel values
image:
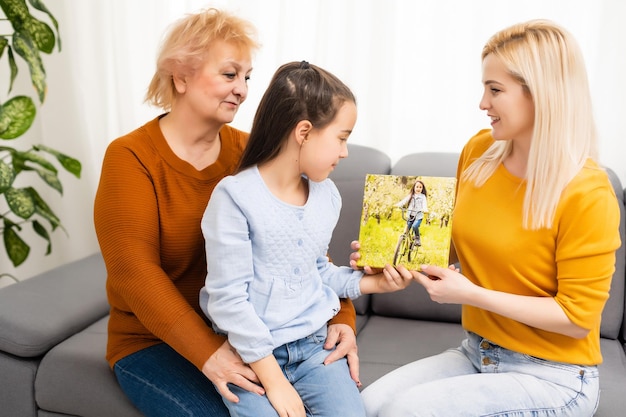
(416, 205)
(270, 286)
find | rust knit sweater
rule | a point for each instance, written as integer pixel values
(147, 216)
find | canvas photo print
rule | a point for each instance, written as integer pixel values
(406, 220)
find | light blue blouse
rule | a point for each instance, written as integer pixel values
(269, 281)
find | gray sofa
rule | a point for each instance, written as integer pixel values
(53, 326)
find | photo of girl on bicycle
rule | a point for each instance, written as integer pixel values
(406, 220)
(415, 204)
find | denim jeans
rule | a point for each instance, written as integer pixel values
(482, 379)
(160, 382)
(415, 225)
(325, 390)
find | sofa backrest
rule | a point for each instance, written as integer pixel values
(414, 302)
(433, 164)
(62, 301)
(349, 176)
(613, 314)
(621, 253)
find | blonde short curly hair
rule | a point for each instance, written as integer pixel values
(186, 45)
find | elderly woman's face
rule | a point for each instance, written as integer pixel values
(220, 85)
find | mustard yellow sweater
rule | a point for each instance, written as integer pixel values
(147, 216)
(573, 261)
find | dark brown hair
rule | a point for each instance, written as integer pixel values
(298, 91)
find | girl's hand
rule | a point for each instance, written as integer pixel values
(390, 280)
(285, 399)
(355, 256)
(445, 285)
(281, 394)
(395, 279)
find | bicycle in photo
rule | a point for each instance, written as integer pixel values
(407, 244)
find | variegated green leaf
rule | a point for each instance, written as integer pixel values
(20, 201)
(72, 165)
(42, 208)
(16, 117)
(18, 162)
(37, 4)
(26, 48)
(38, 159)
(16, 248)
(6, 176)
(15, 10)
(50, 178)
(5, 121)
(41, 231)
(9, 223)
(13, 68)
(41, 34)
(3, 44)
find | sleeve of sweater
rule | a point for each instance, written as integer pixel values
(344, 281)
(347, 314)
(403, 202)
(229, 273)
(126, 216)
(588, 236)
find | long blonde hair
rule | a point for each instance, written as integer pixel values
(186, 45)
(548, 63)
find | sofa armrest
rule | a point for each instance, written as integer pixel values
(38, 313)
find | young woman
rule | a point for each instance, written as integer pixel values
(155, 185)
(535, 229)
(416, 204)
(270, 286)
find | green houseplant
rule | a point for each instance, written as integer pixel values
(23, 205)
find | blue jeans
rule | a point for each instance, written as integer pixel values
(415, 225)
(160, 382)
(483, 379)
(325, 390)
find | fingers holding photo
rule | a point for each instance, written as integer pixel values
(355, 245)
(398, 277)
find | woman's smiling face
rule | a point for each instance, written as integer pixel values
(507, 103)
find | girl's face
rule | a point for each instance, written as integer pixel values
(510, 108)
(215, 92)
(323, 149)
(418, 188)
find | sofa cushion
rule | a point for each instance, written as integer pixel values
(414, 303)
(74, 378)
(387, 343)
(16, 386)
(62, 302)
(612, 379)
